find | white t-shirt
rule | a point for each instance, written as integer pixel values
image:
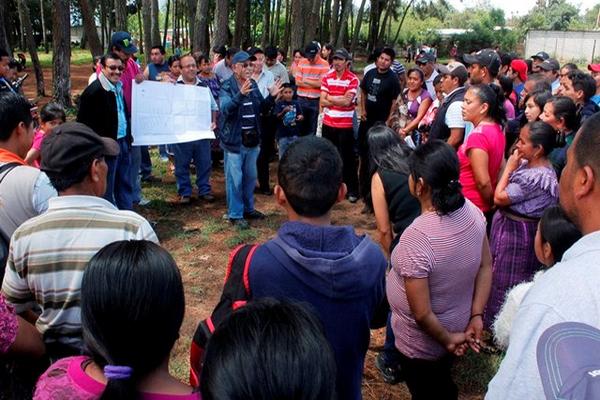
(454, 117)
(567, 292)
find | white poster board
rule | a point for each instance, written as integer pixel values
(164, 113)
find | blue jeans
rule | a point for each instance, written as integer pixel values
(136, 181)
(285, 142)
(310, 110)
(391, 355)
(119, 189)
(240, 180)
(162, 150)
(199, 152)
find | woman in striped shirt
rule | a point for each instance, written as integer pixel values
(441, 275)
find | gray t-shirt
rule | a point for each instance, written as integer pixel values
(279, 72)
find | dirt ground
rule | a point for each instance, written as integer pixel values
(200, 241)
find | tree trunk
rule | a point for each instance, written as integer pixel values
(191, 22)
(155, 37)
(200, 40)
(31, 47)
(326, 22)
(373, 25)
(312, 22)
(297, 25)
(275, 29)
(89, 26)
(142, 42)
(61, 55)
(121, 15)
(402, 22)
(43, 21)
(266, 33)
(221, 22)
(286, 27)
(3, 34)
(239, 34)
(147, 27)
(335, 15)
(343, 26)
(381, 36)
(174, 27)
(103, 23)
(164, 41)
(359, 17)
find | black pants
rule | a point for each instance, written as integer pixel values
(310, 111)
(364, 173)
(429, 379)
(267, 150)
(343, 139)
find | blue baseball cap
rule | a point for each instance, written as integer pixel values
(568, 358)
(241, 56)
(123, 41)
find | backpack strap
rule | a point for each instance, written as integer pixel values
(236, 293)
(6, 168)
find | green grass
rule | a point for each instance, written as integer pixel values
(240, 237)
(473, 372)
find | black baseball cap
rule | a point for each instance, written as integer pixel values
(311, 50)
(542, 55)
(486, 58)
(550, 65)
(71, 144)
(425, 58)
(342, 54)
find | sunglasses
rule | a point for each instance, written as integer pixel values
(114, 67)
(246, 65)
(421, 63)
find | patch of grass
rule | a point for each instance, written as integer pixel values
(179, 365)
(240, 237)
(78, 57)
(473, 372)
(213, 225)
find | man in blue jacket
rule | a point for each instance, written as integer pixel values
(337, 274)
(241, 104)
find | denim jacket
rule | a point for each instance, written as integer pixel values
(230, 119)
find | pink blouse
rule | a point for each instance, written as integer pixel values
(8, 326)
(67, 380)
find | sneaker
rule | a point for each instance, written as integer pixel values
(352, 199)
(164, 158)
(391, 375)
(184, 199)
(254, 214)
(144, 202)
(239, 223)
(209, 198)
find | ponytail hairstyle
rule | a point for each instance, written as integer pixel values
(543, 135)
(437, 164)
(492, 95)
(132, 307)
(565, 108)
(558, 231)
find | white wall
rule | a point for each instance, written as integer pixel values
(567, 46)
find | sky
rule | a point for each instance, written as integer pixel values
(517, 7)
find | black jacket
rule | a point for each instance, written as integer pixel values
(439, 129)
(98, 110)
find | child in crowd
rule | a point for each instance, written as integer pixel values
(555, 235)
(269, 350)
(425, 124)
(288, 113)
(510, 97)
(132, 307)
(51, 116)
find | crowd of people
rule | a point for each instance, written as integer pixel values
(481, 176)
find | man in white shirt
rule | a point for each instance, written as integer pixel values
(426, 63)
(569, 290)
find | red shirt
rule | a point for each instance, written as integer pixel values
(336, 116)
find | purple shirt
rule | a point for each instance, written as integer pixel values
(66, 379)
(8, 326)
(532, 190)
(447, 251)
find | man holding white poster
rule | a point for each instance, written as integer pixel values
(197, 151)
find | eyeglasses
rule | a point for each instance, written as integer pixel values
(189, 66)
(246, 65)
(421, 63)
(115, 67)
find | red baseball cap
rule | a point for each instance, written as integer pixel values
(594, 67)
(520, 67)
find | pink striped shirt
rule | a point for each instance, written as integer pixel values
(447, 251)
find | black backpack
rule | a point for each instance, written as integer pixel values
(236, 293)
(5, 241)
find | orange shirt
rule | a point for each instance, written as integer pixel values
(313, 72)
